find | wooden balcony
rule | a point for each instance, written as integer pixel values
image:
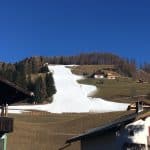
(6, 125)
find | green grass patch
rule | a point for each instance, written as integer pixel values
(120, 90)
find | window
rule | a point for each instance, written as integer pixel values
(133, 146)
(131, 133)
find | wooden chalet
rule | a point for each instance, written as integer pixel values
(112, 75)
(9, 94)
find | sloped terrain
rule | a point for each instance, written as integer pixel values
(46, 131)
(72, 96)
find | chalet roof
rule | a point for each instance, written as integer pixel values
(111, 126)
(115, 125)
(11, 93)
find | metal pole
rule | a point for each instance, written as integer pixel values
(3, 142)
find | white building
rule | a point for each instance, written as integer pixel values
(137, 132)
(96, 76)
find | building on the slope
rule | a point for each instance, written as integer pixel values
(99, 75)
(112, 75)
(9, 94)
(46, 64)
(131, 132)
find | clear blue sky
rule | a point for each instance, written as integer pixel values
(66, 27)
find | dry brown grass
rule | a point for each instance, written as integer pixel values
(45, 131)
(120, 90)
(89, 69)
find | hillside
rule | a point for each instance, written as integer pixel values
(30, 72)
(114, 86)
(72, 97)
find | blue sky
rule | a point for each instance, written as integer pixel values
(68, 27)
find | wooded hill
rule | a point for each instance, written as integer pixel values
(31, 74)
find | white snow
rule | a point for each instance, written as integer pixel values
(16, 111)
(72, 96)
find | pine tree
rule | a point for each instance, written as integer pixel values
(50, 86)
(30, 85)
(37, 90)
(40, 90)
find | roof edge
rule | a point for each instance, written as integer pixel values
(115, 124)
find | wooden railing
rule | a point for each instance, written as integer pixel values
(6, 125)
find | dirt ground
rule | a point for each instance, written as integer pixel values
(45, 131)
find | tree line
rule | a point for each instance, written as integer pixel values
(125, 67)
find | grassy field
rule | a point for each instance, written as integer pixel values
(89, 69)
(120, 90)
(45, 131)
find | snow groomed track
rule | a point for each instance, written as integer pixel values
(72, 97)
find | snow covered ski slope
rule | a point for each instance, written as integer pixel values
(72, 96)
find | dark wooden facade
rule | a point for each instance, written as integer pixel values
(9, 94)
(6, 125)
